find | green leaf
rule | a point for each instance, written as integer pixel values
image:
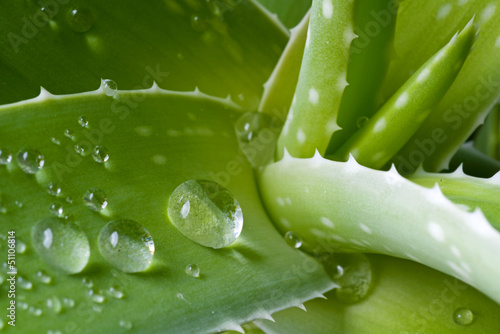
(350, 207)
(215, 46)
(289, 12)
(487, 139)
(406, 298)
(156, 140)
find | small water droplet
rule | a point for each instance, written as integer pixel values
(127, 245)
(206, 212)
(293, 239)
(97, 308)
(62, 245)
(109, 87)
(115, 292)
(30, 161)
(53, 189)
(43, 277)
(198, 23)
(87, 282)
(55, 141)
(125, 324)
(57, 209)
(95, 199)
(54, 304)
(49, 12)
(70, 134)
(35, 311)
(50, 331)
(83, 121)
(20, 247)
(361, 121)
(5, 156)
(23, 283)
(69, 199)
(100, 154)
(352, 272)
(257, 134)
(96, 297)
(19, 204)
(3, 207)
(80, 19)
(463, 316)
(193, 270)
(68, 302)
(82, 150)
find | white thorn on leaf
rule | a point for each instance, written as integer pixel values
(44, 94)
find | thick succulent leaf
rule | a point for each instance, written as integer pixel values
(399, 118)
(156, 141)
(406, 297)
(374, 24)
(474, 162)
(351, 207)
(322, 80)
(473, 192)
(487, 139)
(289, 12)
(214, 45)
(423, 28)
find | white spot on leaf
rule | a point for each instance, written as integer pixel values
(327, 222)
(327, 9)
(313, 95)
(402, 100)
(443, 11)
(436, 231)
(301, 136)
(365, 228)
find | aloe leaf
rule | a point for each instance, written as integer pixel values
(475, 90)
(474, 162)
(393, 306)
(179, 44)
(280, 88)
(322, 80)
(374, 24)
(487, 139)
(393, 125)
(473, 192)
(289, 12)
(156, 140)
(345, 206)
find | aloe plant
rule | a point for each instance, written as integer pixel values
(145, 194)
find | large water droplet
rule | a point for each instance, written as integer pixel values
(95, 199)
(463, 316)
(127, 245)
(30, 161)
(62, 245)
(5, 156)
(353, 274)
(54, 304)
(53, 189)
(257, 134)
(293, 239)
(206, 213)
(100, 154)
(80, 19)
(193, 270)
(109, 87)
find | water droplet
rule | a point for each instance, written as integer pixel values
(83, 121)
(125, 324)
(463, 316)
(23, 305)
(57, 209)
(96, 297)
(18, 204)
(55, 141)
(62, 245)
(193, 270)
(35, 311)
(70, 134)
(198, 23)
(127, 245)
(50, 331)
(293, 239)
(20, 247)
(30, 161)
(2, 325)
(95, 199)
(115, 292)
(23, 283)
(68, 302)
(257, 134)
(69, 199)
(109, 87)
(353, 274)
(82, 150)
(48, 11)
(205, 212)
(361, 121)
(80, 19)
(54, 304)
(100, 154)
(3, 207)
(53, 189)
(87, 282)
(5, 156)
(43, 277)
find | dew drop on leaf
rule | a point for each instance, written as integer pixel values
(463, 316)
(30, 161)
(5, 156)
(62, 245)
(193, 270)
(53, 189)
(70, 134)
(361, 121)
(80, 19)
(197, 23)
(54, 304)
(57, 209)
(109, 87)
(95, 199)
(206, 212)
(125, 324)
(127, 245)
(83, 121)
(100, 154)
(293, 239)
(42, 277)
